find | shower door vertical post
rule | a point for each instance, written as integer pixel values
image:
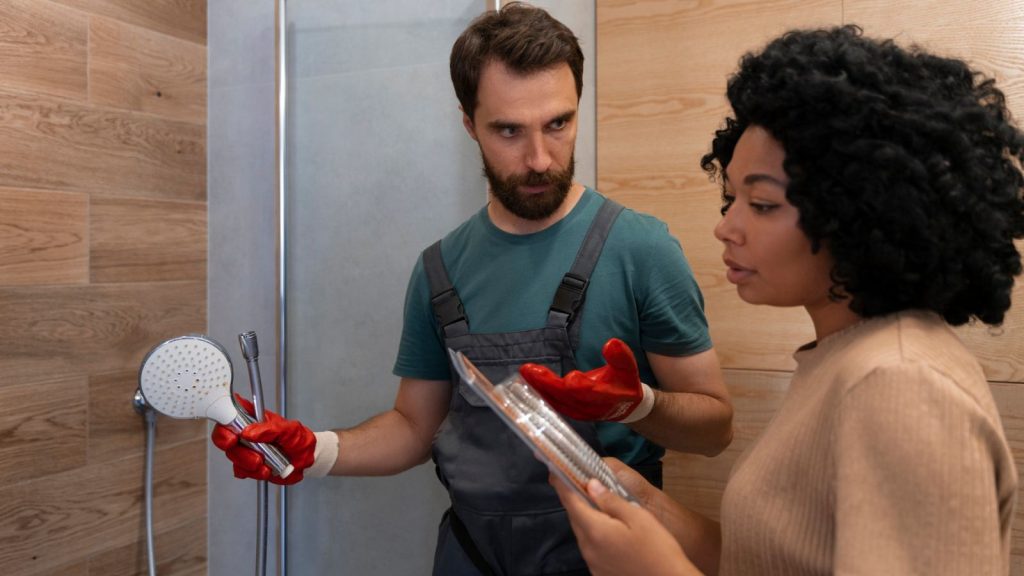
(281, 85)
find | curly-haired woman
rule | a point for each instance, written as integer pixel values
(880, 188)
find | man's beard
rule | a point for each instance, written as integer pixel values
(531, 206)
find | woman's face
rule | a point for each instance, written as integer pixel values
(768, 256)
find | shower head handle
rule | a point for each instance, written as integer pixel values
(250, 348)
(273, 457)
(227, 413)
(251, 353)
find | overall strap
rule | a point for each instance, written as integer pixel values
(568, 301)
(451, 317)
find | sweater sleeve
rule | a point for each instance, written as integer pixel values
(917, 477)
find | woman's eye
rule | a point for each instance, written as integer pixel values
(761, 208)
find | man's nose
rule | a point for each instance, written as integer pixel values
(538, 157)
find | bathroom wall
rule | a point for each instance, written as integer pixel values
(102, 255)
(662, 68)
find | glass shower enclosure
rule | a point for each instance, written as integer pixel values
(377, 166)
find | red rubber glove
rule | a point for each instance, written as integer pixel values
(294, 440)
(611, 392)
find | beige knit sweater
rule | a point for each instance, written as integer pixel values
(887, 457)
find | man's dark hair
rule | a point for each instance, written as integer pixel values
(524, 38)
(904, 165)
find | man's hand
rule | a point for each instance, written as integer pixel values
(612, 392)
(295, 441)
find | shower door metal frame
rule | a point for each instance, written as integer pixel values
(281, 89)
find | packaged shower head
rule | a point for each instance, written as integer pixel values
(535, 422)
(190, 377)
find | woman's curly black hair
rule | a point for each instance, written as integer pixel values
(906, 166)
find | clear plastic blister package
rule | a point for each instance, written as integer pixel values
(550, 437)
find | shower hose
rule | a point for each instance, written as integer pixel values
(150, 416)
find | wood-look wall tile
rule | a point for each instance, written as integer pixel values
(697, 481)
(53, 144)
(43, 237)
(179, 484)
(1000, 350)
(76, 568)
(185, 19)
(72, 488)
(44, 48)
(987, 33)
(690, 44)
(92, 329)
(68, 517)
(43, 427)
(180, 551)
(116, 430)
(133, 240)
(137, 69)
(753, 337)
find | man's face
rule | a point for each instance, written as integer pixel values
(513, 191)
(526, 128)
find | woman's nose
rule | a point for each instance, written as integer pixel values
(727, 229)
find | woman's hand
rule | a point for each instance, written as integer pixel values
(620, 537)
(649, 496)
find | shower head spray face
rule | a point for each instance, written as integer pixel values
(190, 377)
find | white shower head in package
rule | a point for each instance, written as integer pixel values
(549, 436)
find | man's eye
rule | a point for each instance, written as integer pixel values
(507, 132)
(559, 124)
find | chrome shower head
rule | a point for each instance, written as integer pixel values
(190, 377)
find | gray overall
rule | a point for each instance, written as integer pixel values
(505, 518)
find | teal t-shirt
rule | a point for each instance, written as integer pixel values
(642, 291)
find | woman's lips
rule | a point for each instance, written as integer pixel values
(736, 273)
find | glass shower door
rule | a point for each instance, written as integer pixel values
(378, 166)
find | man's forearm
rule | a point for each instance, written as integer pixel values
(383, 445)
(688, 422)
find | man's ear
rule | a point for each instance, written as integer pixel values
(467, 123)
